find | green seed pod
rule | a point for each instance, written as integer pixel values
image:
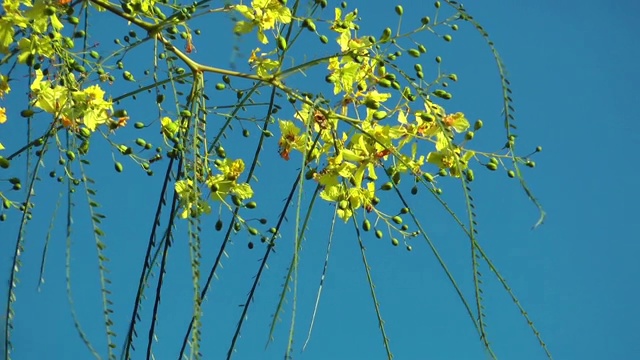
(220, 86)
(530, 163)
(395, 85)
(438, 59)
(250, 245)
(84, 148)
(253, 231)
(428, 177)
(425, 20)
(406, 93)
(366, 225)
(437, 4)
(73, 20)
(251, 205)
(493, 160)
(409, 248)
(273, 230)
(159, 98)
(384, 83)
(395, 242)
(70, 155)
(442, 94)
(118, 167)
(379, 234)
(414, 52)
(420, 75)
(3, 217)
(447, 38)
(417, 67)
(185, 113)
(387, 186)
(6, 203)
(397, 219)
(138, 125)
(454, 27)
(491, 166)
(323, 3)
(538, 148)
(52, 174)
(245, 133)
(478, 125)
(221, 152)
(438, 191)
(469, 135)
(422, 49)
(391, 57)
(214, 187)
(469, 175)
(237, 226)
(399, 10)
(324, 39)
(442, 172)
(404, 210)
(236, 200)
(453, 77)
(379, 115)
(140, 142)
(85, 132)
(128, 76)
(14, 180)
(511, 174)
(309, 24)
(414, 190)
(268, 133)
(386, 35)
(26, 113)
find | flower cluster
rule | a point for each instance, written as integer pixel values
(221, 186)
(72, 107)
(263, 15)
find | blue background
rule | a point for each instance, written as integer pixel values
(571, 66)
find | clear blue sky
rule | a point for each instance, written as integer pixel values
(575, 91)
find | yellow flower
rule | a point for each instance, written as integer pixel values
(4, 86)
(456, 121)
(190, 200)
(290, 139)
(3, 115)
(226, 183)
(264, 67)
(263, 14)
